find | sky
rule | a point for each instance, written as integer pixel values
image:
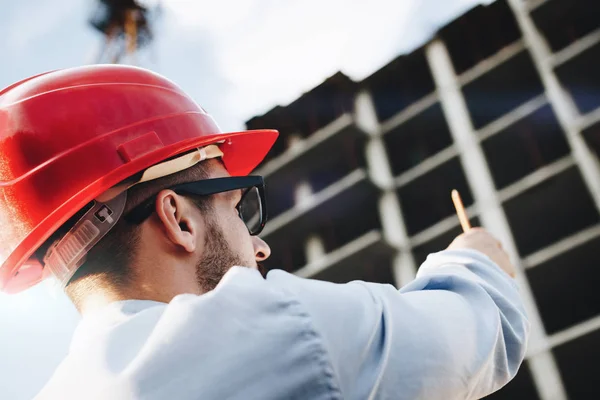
(236, 58)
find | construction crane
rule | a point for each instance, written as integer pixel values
(127, 26)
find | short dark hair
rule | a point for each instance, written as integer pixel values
(109, 261)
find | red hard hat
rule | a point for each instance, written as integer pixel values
(68, 136)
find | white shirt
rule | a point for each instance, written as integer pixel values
(456, 332)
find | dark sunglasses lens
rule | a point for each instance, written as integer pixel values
(250, 209)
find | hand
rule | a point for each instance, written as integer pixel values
(481, 240)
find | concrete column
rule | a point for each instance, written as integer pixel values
(365, 115)
(380, 172)
(544, 371)
(303, 194)
(295, 143)
(314, 249)
(487, 204)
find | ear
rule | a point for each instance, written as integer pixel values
(176, 216)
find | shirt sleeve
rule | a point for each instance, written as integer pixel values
(458, 331)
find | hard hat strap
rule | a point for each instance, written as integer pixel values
(69, 253)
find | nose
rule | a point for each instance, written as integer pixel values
(262, 251)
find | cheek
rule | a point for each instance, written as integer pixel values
(238, 237)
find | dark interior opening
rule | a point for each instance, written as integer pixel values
(580, 77)
(350, 224)
(321, 166)
(552, 210)
(564, 21)
(426, 200)
(529, 144)
(565, 287)
(502, 89)
(578, 364)
(372, 266)
(479, 34)
(417, 139)
(289, 256)
(309, 113)
(592, 138)
(400, 83)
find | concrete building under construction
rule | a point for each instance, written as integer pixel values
(502, 104)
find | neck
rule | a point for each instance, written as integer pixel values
(155, 282)
(96, 301)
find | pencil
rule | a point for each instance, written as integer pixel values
(460, 211)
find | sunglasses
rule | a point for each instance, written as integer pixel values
(252, 207)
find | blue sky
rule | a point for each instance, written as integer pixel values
(236, 58)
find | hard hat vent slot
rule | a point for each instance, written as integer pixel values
(75, 243)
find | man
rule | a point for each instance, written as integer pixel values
(122, 188)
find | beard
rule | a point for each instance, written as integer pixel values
(216, 260)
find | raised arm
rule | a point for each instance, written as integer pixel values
(458, 331)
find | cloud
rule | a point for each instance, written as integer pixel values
(35, 19)
(216, 16)
(271, 52)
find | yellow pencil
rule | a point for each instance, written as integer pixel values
(460, 211)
